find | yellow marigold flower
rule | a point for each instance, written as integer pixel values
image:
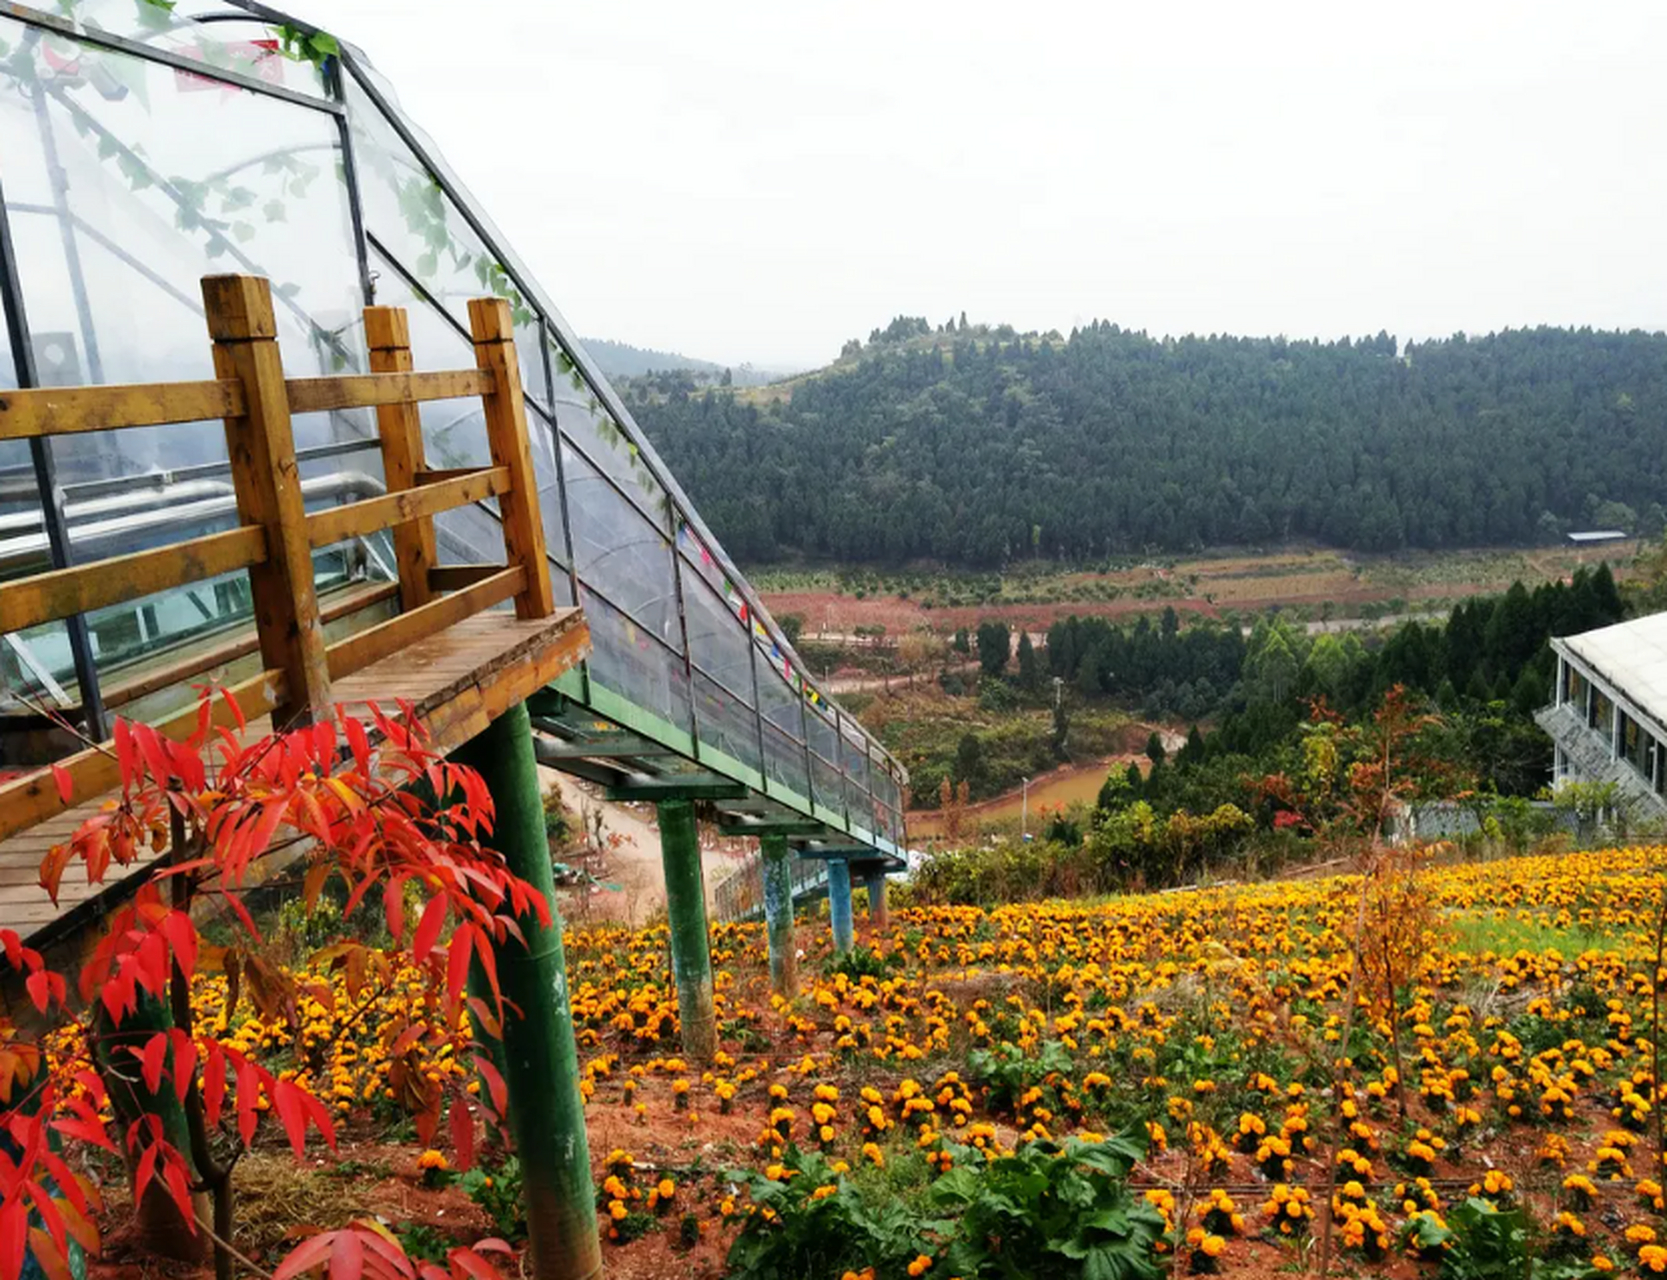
(920, 1266)
(431, 1159)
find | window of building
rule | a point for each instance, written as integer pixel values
(1575, 688)
(1600, 713)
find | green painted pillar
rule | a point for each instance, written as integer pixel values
(539, 1057)
(691, 952)
(878, 914)
(778, 914)
(839, 904)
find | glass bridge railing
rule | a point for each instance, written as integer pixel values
(143, 147)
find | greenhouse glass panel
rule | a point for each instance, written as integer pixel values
(823, 740)
(778, 700)
(249, 47)
(593, 430)
(722, 721)
(784, 761)
(615, 546)
(170, 184)
(415, 222)
(628, 660)
(830, 787)
(717, 638)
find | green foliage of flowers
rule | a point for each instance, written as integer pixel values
(1050, 1211)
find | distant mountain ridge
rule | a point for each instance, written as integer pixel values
(619, 360)
(977, 444)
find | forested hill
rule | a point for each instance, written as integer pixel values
(974, 445)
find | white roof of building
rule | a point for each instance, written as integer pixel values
(1598, 535)
(1630, 656)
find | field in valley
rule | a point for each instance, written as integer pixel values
(1317, 585)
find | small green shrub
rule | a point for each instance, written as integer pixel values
(497, 1191)
(1051, 1211)
(808, 1235)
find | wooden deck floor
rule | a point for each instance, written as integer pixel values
(459, 680)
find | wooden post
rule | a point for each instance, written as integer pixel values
(261, 447)
(506, 431)
(388, 335)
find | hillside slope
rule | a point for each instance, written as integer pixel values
(973, 445)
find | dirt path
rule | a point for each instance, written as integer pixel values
(631, 860)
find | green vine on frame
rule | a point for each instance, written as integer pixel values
(300, 45)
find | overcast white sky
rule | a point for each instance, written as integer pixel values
(760, 182)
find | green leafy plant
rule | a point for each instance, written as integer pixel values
(498, 1194)
(1481, 1241)
(1051, 1211)
(861, 962)
(1007, 1071)
(808, 1231)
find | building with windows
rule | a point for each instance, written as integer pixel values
(1609, 722)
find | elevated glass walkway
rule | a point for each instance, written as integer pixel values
(143, 147)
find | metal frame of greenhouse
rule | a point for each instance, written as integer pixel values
(142, 148)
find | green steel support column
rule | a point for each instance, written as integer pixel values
(778, 914)
(691, 952)
(839, 903)
(540, 1059)
(878, 915)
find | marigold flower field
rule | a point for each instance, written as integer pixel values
(1195, 1030)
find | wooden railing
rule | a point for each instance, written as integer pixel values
(276, 536)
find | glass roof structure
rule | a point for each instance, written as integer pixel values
(144, 146)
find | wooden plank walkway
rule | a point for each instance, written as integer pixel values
(458, 680)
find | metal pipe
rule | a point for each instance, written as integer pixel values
(540, 1060)
(691, 952)
(778, 914)
(115, 525)
(839, 904)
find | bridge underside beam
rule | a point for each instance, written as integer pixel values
(783, 825)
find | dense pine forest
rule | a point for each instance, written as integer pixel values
(975, 445)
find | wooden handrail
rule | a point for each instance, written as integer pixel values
(357, 519)
(62, 593)
(366, 390)
(277, 535)
(57, 411)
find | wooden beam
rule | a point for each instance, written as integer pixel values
(430, 475)
(357, 519)
(34, 797)
(366, 390)
(682, 786)
(342, 604)
(454, 577)
(493, 329)
(54, 411)
(400, 427)
(374, 643)
(46, 597)
(261, 447)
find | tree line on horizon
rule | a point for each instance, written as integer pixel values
(978, 446)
